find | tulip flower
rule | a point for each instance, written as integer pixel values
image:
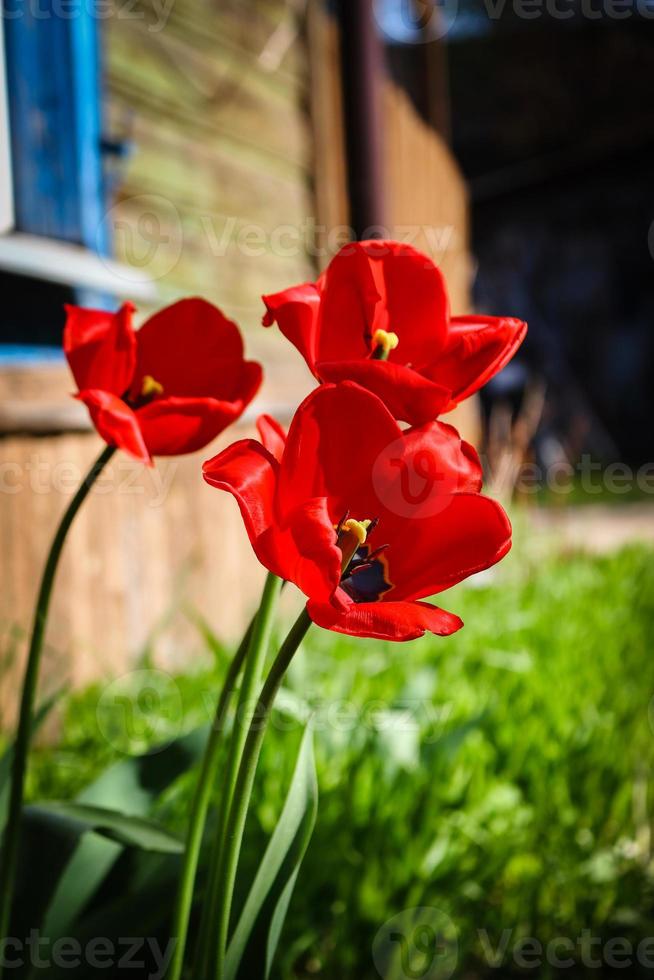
(166, 389)
(365, 518)
(380, 316)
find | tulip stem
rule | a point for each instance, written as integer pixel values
(28, 696)
(199, 808)
(246, 706)
(245, 780)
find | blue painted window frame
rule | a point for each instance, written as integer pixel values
(54, 92)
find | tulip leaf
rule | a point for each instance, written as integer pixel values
(76, 819)
(252, 947)
(131, 785)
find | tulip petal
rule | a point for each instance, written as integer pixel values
(314, 563)
(249, 472)
(272, 435)
(385, 285)
(349, 301)
(174, 426)
(398, 621)
(296, 311)
(193, 351)
(304, 550)
(250, 377)
(115, 422)
(478, 348)
(407, 395)
(456, 459)
(335, 439)
(468, 534)
(100, 348)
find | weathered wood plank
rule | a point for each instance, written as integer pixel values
(188, 88)
(223, 150)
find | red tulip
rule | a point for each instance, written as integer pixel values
(365, 518)
(166, 389)
(380, 316)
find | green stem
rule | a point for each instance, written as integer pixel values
(198, 812)
(244, 713)
(244, 783)
(30, 682)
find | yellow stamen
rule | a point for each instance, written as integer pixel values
(150, 387)
(358, 528)
(351, 535)
(384, 341)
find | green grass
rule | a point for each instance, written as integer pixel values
(503, 776)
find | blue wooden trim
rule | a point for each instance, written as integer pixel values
(16, 355)
(88, 109)
(55, 120)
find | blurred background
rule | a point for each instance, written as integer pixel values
(152, 149)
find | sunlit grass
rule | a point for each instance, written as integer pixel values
(502, 776)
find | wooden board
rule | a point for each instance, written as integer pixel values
(214, 98)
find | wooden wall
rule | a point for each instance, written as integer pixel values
(427, 199)
(215, 97)
(146, 544)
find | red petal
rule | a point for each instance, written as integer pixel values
(386, 620)
(248, 471)
(193, 351)
(101, 348)
(250, 376)
(470, 533)
(314, 563)
(115, 422)
(296, 312)
(272, 435)
(478, 348)
(174, 426)
(385, 285)
(457, 460)
(414, 477)
(336, 436)
(406, 394)
(304, 551)
(350, 298)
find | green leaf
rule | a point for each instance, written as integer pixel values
(131, 785)
(254, 942)
(78, 818)
(8, 756)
